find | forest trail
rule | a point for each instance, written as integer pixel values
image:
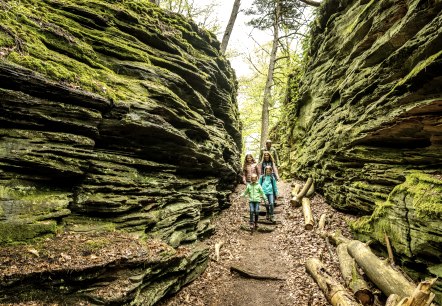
(281, 253)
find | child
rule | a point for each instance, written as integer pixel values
(249, 167)
(255, 193)
(268, 184)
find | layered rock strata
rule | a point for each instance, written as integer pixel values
(113, 116)
(366, 118)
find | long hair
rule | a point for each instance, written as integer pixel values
(245, 161)
(270, 157)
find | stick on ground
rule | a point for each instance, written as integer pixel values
(244, 273)
(296, 201)
(218, 246)
(389, 249)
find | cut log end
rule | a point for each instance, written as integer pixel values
(308, 227)
(364, 296)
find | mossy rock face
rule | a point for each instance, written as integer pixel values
(364, 114)
(411, 218)
(114, 116)
(108, 268)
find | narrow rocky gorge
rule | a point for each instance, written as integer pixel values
(365, 122)
(114, 117)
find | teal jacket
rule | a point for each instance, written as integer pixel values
(268, 184)
(254, 192)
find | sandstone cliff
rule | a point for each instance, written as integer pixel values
(114, 116)
(365, 121)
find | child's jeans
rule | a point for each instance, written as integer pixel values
(271, 201)
(254, 210)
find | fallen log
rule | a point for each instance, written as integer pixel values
(381, 273)
(335, 238)
(263, 221)
(311, 190)
(335, 293)
(321, 223)
(261, 229)
(308, 216)
(352, 278)
(218, 246)
(392, 300)
(244, 273)
(295, 190)
(422, 296)
(296, 200)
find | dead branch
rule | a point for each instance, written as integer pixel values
(244, 273)
(218, 246)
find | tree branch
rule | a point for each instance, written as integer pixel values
(311, 2)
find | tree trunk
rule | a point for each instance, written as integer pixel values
(381, 273)
(335, 293)
(230, 25)
(308, 216)
(269, 82)
(351, 276)
(296, 200)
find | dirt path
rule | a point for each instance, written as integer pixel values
(281, 253)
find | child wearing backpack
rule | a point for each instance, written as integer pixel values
(255, 193)
(268, 184)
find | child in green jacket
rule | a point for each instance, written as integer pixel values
(255, 193)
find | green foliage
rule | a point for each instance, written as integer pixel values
(251, 90)
(291, 14)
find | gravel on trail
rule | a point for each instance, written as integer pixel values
(281, 253)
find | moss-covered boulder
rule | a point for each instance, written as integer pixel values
(114, 115)
(411, 217)
(366, 113)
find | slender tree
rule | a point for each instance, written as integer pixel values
(275, 14)
(230, 24)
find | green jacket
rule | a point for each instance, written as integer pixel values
(254, 192)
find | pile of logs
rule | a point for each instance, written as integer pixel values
(352, 255)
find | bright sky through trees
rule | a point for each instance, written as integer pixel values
(240, 43)
(248, 51)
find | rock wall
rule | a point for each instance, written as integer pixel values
(365, 121)
(114, 116)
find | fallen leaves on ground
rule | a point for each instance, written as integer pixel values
(290, 243)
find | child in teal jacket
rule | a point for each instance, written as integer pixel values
(268, 184)
(255, 193)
